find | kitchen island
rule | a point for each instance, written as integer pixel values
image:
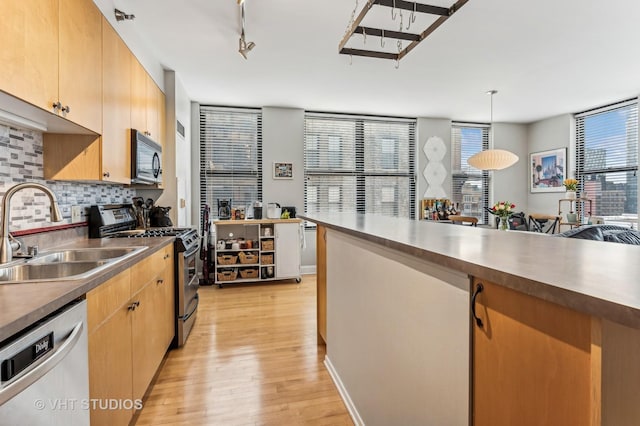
(560, 324)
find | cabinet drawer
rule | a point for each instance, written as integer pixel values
(104, 300)
(149, 268)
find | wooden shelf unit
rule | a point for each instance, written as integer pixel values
(577, 206)
(274, 262)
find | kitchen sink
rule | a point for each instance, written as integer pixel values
(50, 271)
(65, 264)
(88, 254)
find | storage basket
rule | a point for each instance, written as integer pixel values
(228, 275)
(248, 257)
(267, 245)
(227, 259)
(266, 259)
(249, 273)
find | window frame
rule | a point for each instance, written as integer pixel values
(463, 175)
(209, 176)
(582, 161)
(358, 170)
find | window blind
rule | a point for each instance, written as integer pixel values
(607, 161)
(359, 164)
(470, 186)
(230, 156)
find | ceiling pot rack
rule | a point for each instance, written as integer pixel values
(354, 27)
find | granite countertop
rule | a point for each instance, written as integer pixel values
(594, 277)
(25, 303)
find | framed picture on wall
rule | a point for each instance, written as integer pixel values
(283, 170)
(548, 170)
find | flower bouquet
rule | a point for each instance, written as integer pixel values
(502, 209)
(571, 184)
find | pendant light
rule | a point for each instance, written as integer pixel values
(492, 159)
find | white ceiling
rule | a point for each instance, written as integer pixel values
(545, 57)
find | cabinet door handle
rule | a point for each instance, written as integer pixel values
(166, 256)
(134, 305)
(106, 174)
(479, 289)
(57, 106)
(160, 281)
(66, 109)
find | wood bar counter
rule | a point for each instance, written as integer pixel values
(558, 342)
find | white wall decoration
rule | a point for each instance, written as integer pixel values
(435, 172)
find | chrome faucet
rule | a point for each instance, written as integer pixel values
(6, 253)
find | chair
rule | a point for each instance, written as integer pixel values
(537, 223)
(460, 220)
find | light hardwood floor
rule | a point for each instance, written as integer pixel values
(251, 359)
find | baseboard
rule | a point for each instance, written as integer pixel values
(308, 269)
(353, 412)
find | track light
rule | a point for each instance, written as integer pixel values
(243, 46)
(121, 16)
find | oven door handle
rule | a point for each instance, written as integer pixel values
(188, 315)
(47, 365)
(192, 251)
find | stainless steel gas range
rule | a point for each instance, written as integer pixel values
(119, 221)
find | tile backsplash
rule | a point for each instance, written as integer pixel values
(21, 161)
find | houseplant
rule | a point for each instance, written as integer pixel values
(502, 209)
(571, 185)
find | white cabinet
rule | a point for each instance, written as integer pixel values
(287, 246)
(257, 250)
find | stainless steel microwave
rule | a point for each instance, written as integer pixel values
(146, 159)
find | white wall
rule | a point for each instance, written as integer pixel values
(510, 184)
(554, 132)
(283, 141)
(177, 155)
(195, 165)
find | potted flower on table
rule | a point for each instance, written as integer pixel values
(503, 209)
(571, 185)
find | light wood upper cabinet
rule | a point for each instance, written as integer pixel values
(532, 361)
(153, 114)
(29, 53)
(116, 104)
(80, 57)
(147, 104)
(95, 158)
(52, 53)
(138, 96)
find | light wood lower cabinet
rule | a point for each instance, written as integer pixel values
(532, 361)
(149, 332)
(321, 282)
(128, 334)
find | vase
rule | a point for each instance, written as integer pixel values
(571, 195)
(572, 218)
(504, 224)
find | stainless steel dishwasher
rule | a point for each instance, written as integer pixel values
(44, 373)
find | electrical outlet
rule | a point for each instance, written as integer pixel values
(76, 214)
